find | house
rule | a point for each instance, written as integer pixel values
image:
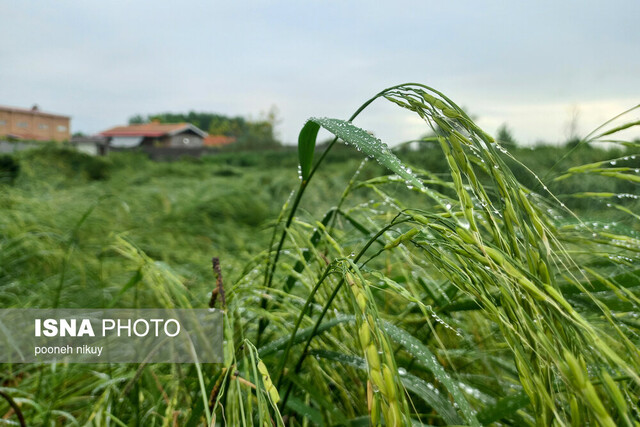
(218, 140)
(158, 135)
(94, 145)
(33, 124)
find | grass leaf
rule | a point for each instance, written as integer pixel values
(503, 408)
(421, 388)
(306, 147)
(426, 358)
(306, 411)
(368, 144)
(301, 336)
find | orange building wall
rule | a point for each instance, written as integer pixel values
(34, 125)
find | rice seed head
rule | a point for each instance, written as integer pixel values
(597, 407)
(268, 384)
(576, 416)
(389, 380)
(372, 357)
(402, 238)
(385, 397)
(614, 392)
(375, 411)
(365, 335)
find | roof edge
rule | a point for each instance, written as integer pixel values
(34, 112)
(189, 126)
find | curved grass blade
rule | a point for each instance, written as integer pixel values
(306, 411)
(315, 239)
(302, 335)
(417, 385)
(628, 279)
(135, 279)
(504, 408)
(320, 400)
(425, 357)
(366, 143)
(429, 394)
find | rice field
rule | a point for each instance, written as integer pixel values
(460, 284)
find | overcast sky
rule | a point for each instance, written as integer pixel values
(533, 65)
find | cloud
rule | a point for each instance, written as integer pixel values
(523, 64)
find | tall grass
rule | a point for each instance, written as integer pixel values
(431, 287)
(478, 236)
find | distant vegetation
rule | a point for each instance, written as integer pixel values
(9, 168)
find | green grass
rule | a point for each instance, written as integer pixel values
(448, 286)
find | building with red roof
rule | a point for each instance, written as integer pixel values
(165, 135)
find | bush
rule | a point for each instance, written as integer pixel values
(69, 162)
(9, 168)
(242, 207)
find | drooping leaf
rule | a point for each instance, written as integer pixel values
(306, 147)
(301, 336)
(319, 398)
(421, 388)
(503, 408)
(619, 128)
(135, 279)
(305, 410)
(426, 358)
(430, 395)
(366, 143)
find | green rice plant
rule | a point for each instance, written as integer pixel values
(488, 240)
(385, 395)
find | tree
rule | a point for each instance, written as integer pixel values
(136, 120)
(572, 135)
(504, 137)
(261, 133)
